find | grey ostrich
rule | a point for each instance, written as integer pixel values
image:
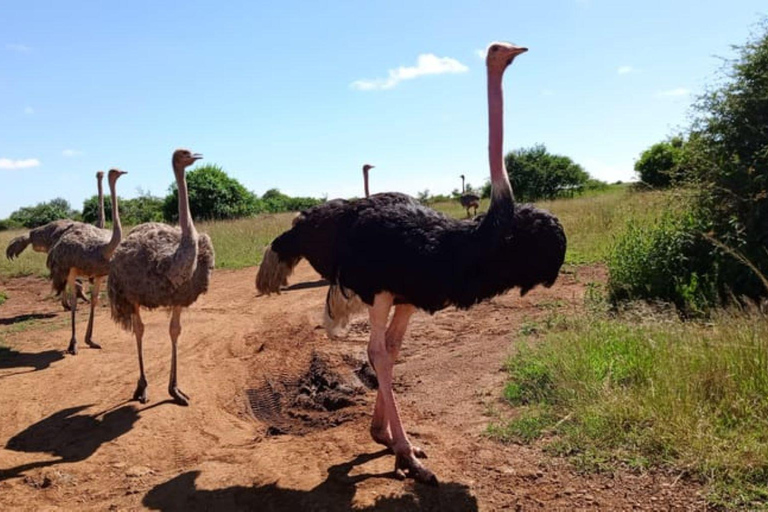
(44, 237)
(468, 200)
(366, 168)
(161, 266)
(390, 251)
(84, 251)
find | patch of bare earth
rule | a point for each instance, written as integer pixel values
(279, 414)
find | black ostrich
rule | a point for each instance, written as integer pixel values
(390, 250)
(468, 200)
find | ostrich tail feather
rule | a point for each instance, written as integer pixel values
(17, 246)
(340, 305)
(274, 271)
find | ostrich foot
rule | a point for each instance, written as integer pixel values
(178, 395)
(408, 466)
(72, 348)
(92, 344)
(383, 437)
(141, 391)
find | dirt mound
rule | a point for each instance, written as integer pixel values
(318, 399)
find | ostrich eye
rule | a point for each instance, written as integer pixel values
(494, 48)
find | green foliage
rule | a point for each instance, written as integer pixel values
(659, 165)
(3, 297)
(726, 155)
(212, 196)
(537, 174)
(275, 201)
(6, 224)
(666, 393)
(42, 213)
(145, 208)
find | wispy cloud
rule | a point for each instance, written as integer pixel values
(480, 54)
(69, 153)
(426, 64)
(674, 93)
(29, 111)
(18, 47)
(7, 163)
(625, 70)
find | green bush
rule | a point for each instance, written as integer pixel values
(43, 213)
(6, 224)
(659, 165)
(537, 174)
(275, 201)
(145, 208)
(213, 195)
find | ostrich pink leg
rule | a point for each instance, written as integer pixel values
(94, 302)
(382, 362)
(175, 330)
(138, 329)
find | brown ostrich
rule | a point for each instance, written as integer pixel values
(84, 251)
(468, 200)
(161, 266)
(44, 237)
(366, 168)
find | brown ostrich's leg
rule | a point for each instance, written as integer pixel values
(406, 462)
(138, 329)
(72, 349)
(94, 302)
(175, 330)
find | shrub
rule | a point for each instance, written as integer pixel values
(145, 208)
(42, 213)
(659, 164)
(213, 195)
(537, 174)
(275, 201)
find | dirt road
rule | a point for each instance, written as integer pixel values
(279, 414)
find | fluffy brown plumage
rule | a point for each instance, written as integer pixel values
(161, 266)
(84, 250)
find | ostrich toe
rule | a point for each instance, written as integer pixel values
(92, 344)
(408, 466)
(178, 395)
(72, 348)
(141, 391)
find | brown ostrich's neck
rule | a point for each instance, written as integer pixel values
(117, 228)
(499, 179)
(102, 219)
(365, 181)
(185, 217)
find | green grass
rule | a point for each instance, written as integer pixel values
(660, 393)
(3, 297)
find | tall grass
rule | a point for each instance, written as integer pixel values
(665, 393)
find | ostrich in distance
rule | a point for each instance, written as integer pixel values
(468, 200)
(84, 251)
(366, 168)
(389, 250)
(161, 266)
(44, 237)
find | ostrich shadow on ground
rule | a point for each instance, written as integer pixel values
(335, 493)
(35, 360)
(24, 318)
(71, 436)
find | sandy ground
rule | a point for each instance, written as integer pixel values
(280, 413)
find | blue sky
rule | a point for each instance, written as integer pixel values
(298, 94)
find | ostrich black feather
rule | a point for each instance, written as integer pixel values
(389, 242)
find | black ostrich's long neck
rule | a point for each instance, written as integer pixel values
(501, 189)
(365, 180)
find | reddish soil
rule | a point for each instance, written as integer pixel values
(279, 414)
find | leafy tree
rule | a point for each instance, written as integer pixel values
(659, 164)
(145, 208)
(537, 174)
(212, 195)
(275, 201)
(43, 213)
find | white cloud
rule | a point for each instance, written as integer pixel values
(480, 54)
(625, 70)
(71, 152)
(17, 47)
(426, 64)
(7, 163)
(674, 93)
(29, 111)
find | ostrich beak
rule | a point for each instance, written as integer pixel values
(197, 156)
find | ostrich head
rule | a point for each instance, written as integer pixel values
(114, 174)
(100, 175)
(368, 167)
(501, 54)
(183, 158)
